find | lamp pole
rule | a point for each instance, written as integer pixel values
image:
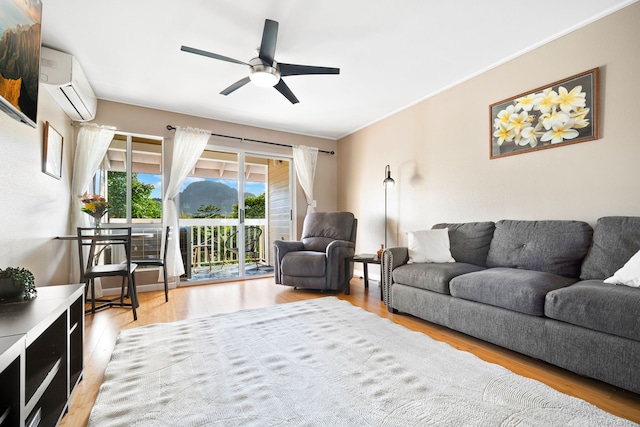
(388, 183)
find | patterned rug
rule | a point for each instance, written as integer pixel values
(319, 362)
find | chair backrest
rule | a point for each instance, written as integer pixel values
(252, 234)
(322, 228)
(167, 237)
(92, 243)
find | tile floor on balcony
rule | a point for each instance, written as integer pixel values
(229, 272)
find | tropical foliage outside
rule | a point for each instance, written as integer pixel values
(144, 206)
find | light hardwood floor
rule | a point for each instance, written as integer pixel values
(102, 328)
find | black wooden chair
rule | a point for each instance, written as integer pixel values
(95, 245)
(159, 261)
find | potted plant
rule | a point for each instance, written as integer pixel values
(16, 282)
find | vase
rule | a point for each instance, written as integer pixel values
(97, 221)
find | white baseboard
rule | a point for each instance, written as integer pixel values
(374, 273)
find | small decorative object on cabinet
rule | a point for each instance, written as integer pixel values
(16, 282)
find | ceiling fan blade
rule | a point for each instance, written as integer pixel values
(237, 85)
(284, 89)
(298, 70)
(269, 39)
(211, 55)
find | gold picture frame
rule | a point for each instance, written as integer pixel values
(562, 113)
(52, 152)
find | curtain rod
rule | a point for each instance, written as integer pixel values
(170, 127)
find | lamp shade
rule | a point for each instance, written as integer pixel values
(388, 181)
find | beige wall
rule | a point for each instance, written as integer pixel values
(34, 207)
(438, 150)
(145, 121)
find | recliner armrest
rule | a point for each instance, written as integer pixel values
(331, 247)
(336, 253)
(285, 246)
(281, 248)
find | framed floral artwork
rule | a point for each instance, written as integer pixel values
(52, 152)
(562, 113)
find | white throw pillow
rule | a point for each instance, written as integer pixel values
(629, 274)
(429, 246)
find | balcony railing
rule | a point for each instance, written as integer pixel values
(202, 243)
(206, 246)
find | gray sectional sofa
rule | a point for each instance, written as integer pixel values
(535, 287)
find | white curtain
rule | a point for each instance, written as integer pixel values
(91, 147)
(188, 145)
(305, 160)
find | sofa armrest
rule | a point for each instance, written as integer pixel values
(281, 248)
(392, 258)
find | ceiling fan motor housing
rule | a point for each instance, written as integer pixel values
(263, 74)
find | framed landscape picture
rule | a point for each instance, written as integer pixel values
(52, 152)
(562, 113)
(20, 59)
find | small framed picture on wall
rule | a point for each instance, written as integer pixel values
(52, 152)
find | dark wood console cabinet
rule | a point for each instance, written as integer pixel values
(41, 355)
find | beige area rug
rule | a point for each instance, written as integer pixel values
(320, 362)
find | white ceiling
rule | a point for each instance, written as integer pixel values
(392, 54)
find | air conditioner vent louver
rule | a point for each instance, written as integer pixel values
(62, 76)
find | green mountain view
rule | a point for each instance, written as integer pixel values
(207, 193)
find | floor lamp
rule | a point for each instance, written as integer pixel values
(388, 183)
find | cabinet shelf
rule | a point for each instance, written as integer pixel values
(42, 385)
(5, 415)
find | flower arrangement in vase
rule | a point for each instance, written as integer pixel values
(96, 206)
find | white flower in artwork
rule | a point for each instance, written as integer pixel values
(504, 133)
(546, 101)
(504, 116)
(530, 136)
(568, 101)
(553, 118)
(559, 132)
(527, 102)
(519, 121)
(579, 116)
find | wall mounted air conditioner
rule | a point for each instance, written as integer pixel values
(62, 76)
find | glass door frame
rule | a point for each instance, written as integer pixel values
(242, 154)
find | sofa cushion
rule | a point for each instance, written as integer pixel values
(304, 263)
(615, 240)
(434, 277)
(599, 306)
(470, 241)
(555, 247)
(629, 274)
(429, 246)
(518, 290)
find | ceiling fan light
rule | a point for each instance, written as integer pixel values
(263, 74)
(264, 78)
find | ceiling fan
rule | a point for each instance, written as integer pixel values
(263, 69)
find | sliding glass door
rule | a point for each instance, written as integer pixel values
(232, 206)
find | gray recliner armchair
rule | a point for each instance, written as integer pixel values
(318, 260)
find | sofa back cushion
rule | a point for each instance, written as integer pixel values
(556, 247)
(615, 240)
(321, 228)
(470, 241)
